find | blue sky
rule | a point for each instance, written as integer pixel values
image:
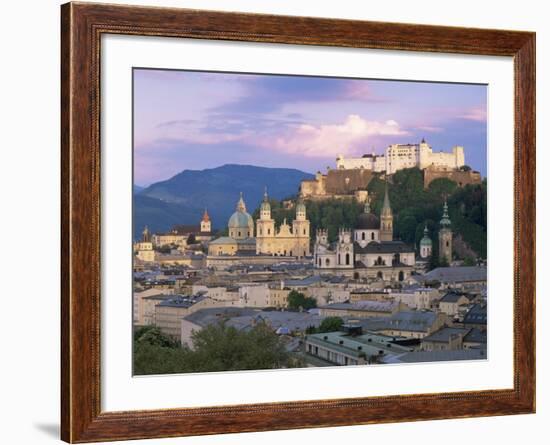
(196, 120)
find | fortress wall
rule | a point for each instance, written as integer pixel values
(341, 182)
(460, 177)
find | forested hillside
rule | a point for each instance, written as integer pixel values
(413, 207)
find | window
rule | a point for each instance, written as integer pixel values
(327, 262)
(347, 259)
(269, 231)
(363, 236)
(372, 235)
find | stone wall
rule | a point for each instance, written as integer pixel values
(460, 177)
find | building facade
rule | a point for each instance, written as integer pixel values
(368, 250)
(285, 241)
(400, 156)
(144, 248)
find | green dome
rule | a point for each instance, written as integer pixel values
(426, 242)
(240, 219)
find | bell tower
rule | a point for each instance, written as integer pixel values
(206, 224)
(445, 236)
(265, 228)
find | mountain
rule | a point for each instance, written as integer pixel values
(183, 198)
(138, 188)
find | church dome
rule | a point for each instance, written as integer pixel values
(368, 221)
(240, 219)
(426, 240)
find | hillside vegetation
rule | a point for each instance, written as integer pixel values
(413, 207)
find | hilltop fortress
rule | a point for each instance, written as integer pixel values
(352, 175)
(399, 156)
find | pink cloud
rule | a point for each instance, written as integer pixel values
(331, 139)
(430, 129)
(478, 114)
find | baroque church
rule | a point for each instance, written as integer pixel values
(367, 251)
(283, 241)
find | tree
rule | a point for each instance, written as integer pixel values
(465, 168)
(216, 347)
(330, 324)
(442, 187)
(151, 335)
(191, 239)
(297, 301)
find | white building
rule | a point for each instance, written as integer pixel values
(254, 295)
(400, 156)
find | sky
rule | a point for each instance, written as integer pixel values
(196, 120)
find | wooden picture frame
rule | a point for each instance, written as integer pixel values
(82, 26)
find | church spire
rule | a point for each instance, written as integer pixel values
(146, 235)
(367, 206)
(386, 218)
(445, 220)
(205, 216)
(386, 208)
(241, 206)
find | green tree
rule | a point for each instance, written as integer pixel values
(297, 300)
(441, 188)
(151, 335)
(330, 324)
(216, 347)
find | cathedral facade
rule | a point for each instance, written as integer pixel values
(269, 240)
(286, 241)
(368, 250)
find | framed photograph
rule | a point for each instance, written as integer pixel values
(274, 222)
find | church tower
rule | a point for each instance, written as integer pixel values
(146, 235)
(386, 218)
(425, 245)
(265, 228)
(206, 224)
(344, 250)
(445, 237)
(300, 229)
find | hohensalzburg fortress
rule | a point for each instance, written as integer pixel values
(400, 156)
